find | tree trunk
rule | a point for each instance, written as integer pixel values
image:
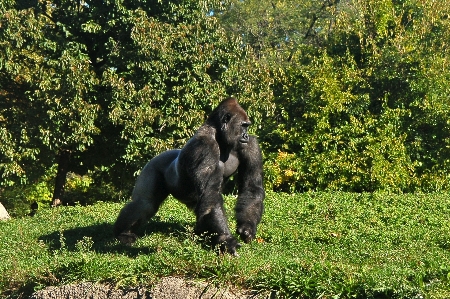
(60, 180)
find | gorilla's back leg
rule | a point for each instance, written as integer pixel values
(148, 194)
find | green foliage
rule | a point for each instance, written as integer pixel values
(114, 83)
(85, 190)
(276, 30)
(338, 143)
(179, 72)
(344, 95)
(281, 171)
(364, 110)
(329, 245)
(46, 99)
(17, 199)
(78, 190)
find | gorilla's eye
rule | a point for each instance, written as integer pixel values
(226, 118)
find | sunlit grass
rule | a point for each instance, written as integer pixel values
(334, 245)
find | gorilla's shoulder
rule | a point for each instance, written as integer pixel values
(201, 144)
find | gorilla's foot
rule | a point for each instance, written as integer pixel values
(127, 238)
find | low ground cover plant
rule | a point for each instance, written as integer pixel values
(310, 245)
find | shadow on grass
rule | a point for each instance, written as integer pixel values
(103, 240)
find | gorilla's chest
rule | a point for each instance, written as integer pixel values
(230, 165)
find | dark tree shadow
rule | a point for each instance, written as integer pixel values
(103, 239)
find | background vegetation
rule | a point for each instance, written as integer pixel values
(344, 95)
(310, 245)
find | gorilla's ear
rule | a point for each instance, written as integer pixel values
(225, 120)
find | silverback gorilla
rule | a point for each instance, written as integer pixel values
(195, 176)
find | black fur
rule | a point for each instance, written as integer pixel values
(195, 176)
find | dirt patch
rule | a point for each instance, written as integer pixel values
(168, 287)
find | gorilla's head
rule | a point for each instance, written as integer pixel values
(231, 123)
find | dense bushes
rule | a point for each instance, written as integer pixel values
(337, 139)
(352, 96)
(368, 110)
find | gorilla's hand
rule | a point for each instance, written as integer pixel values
(247, 231)
(228, 244)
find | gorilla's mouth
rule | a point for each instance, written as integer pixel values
(244, 138)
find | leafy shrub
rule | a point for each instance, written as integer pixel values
(367, 108)
(281, 171)
(18, 198)
(82, 189)
(79, 189)
(332, 140)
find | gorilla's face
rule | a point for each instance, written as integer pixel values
(231, 123)
(234, 125)
(244, 131)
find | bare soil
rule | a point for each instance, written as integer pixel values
(168, 287)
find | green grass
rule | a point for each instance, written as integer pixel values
(327, 245)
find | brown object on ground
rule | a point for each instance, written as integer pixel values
(167, 287)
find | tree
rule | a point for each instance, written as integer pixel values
(365, 110)
(276, 30)
(47, 104)
(180, 70)
(104, 86)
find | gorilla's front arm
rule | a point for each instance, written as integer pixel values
(249, 206)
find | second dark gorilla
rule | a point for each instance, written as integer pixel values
(195, 176)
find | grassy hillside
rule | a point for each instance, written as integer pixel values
(328, 245)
